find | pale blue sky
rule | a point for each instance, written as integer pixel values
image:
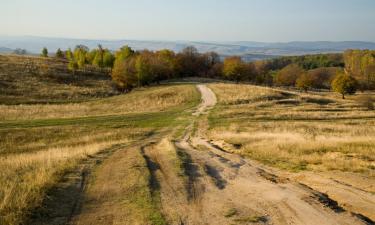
(204, 20)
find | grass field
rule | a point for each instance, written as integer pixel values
(74, 150)
(40, 143)
(295, 131)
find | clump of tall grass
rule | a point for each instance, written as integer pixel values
(25, 178)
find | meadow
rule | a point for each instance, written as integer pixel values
(41, 143)
(294, 130)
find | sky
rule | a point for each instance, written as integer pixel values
(192, 20)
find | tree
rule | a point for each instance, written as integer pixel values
(234, 68)
(344, 84)
(108, 59)
(59, 53)
(168, 60)
(188, 62)
(20, 51)
(305, 81)
(44, 52)
(147, 68)
(124, 53)
(90, 56)
(124, 74)
(322, 77)
(99, 57)
(72, 65)
(80, 52)
(288, 75)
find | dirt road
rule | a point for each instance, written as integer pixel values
(222, 188)
(195, 181)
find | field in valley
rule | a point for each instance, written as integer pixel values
(243, 154)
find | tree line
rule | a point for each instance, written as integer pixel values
(130, 68)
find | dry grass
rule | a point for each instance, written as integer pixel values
(158, 99)
(33, 159)
(25, 177)
(295, 131)
(26, 79)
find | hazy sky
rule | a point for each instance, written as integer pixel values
(204, 20)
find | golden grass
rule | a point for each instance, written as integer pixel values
(25, 177)
(295, 131)
(32, 160)
(142, 100)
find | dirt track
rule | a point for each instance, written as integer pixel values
(199, 182)
(223, 188)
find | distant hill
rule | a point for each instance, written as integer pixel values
(5, 50)
(252, 50)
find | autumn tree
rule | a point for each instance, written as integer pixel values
(124, 74)
(322, 77)
(234, 68)
(305, 81)
(288, 75)
(361, 65)
(44, 52)
(188, 62)
(344, 84)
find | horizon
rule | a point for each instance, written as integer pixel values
(166, 40)
(209, 21)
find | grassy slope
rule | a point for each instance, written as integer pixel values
(295, 131)
(69, 134)
(28, 79)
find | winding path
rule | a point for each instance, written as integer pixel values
(227, 188)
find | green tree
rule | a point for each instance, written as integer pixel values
(124, 53)
(59, 53)
(145, 68)
(90, 56)
(44, 52)
(98, 60)
(108, 59)
(72, 65)
(344, 84)
(80, 55)
(69, 54)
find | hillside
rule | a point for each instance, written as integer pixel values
(159, 155)
(47, 80)
(268, 50)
